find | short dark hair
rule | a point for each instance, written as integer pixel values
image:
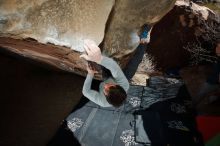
(116, 95)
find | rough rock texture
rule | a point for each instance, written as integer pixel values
(61, 22)
(126, 19)
(184, 35)
(49, 55)
(67, 23)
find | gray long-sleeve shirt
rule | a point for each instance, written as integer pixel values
(118, 78)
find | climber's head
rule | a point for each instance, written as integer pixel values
(115, 94)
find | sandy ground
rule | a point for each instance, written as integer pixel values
(33, 101)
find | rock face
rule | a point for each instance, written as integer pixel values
(60, 22)
(67, 22)
(48, 55)
(186, 34)
(126, 19)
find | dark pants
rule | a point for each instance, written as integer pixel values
(132, 65)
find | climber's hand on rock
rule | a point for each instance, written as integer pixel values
(91, 70)
(93, 52)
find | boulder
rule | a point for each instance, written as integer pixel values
(127, 17)
(52, 31)
(186, 35)
(60, 22)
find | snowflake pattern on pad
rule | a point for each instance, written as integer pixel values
(177, 125)
(135, 101)
(127, 138)
(177, 108)
(74, 124)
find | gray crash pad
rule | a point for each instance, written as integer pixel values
(93, 125)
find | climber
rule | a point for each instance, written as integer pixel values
(109, 69)
(113, 90)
